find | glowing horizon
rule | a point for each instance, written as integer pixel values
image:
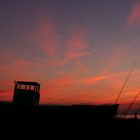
(79, 51)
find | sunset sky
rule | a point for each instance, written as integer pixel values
(80, 51)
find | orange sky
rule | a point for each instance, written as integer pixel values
(78, 52)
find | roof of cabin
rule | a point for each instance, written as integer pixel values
(27, 83)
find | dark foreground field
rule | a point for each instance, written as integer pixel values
(60, 123)
(66, 126)
(56, 121)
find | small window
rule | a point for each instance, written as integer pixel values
(22, 86)
(18, 86)
(27, 87)
(32, 88)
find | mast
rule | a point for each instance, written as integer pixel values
(131, 104)
(123, 86)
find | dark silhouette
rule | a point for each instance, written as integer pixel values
(135, 115)
(131, 103)
(26, 99)
(26, 93)
(122, 89)
(25, 111)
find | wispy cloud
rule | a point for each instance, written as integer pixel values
(62, 81)
(107, 76)
(95, 79)
(77, 43)
(46, 36)
(134, 15)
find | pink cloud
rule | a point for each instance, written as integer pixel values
(95, 79)
(75, 46)
(62, 81)
(72, 54)
(21, 69)
(77, 43)
(77, 38)
(134, 14)
(106, 76)
(57, 62)
(46, 36)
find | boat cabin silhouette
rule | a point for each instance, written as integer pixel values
(26, 93)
